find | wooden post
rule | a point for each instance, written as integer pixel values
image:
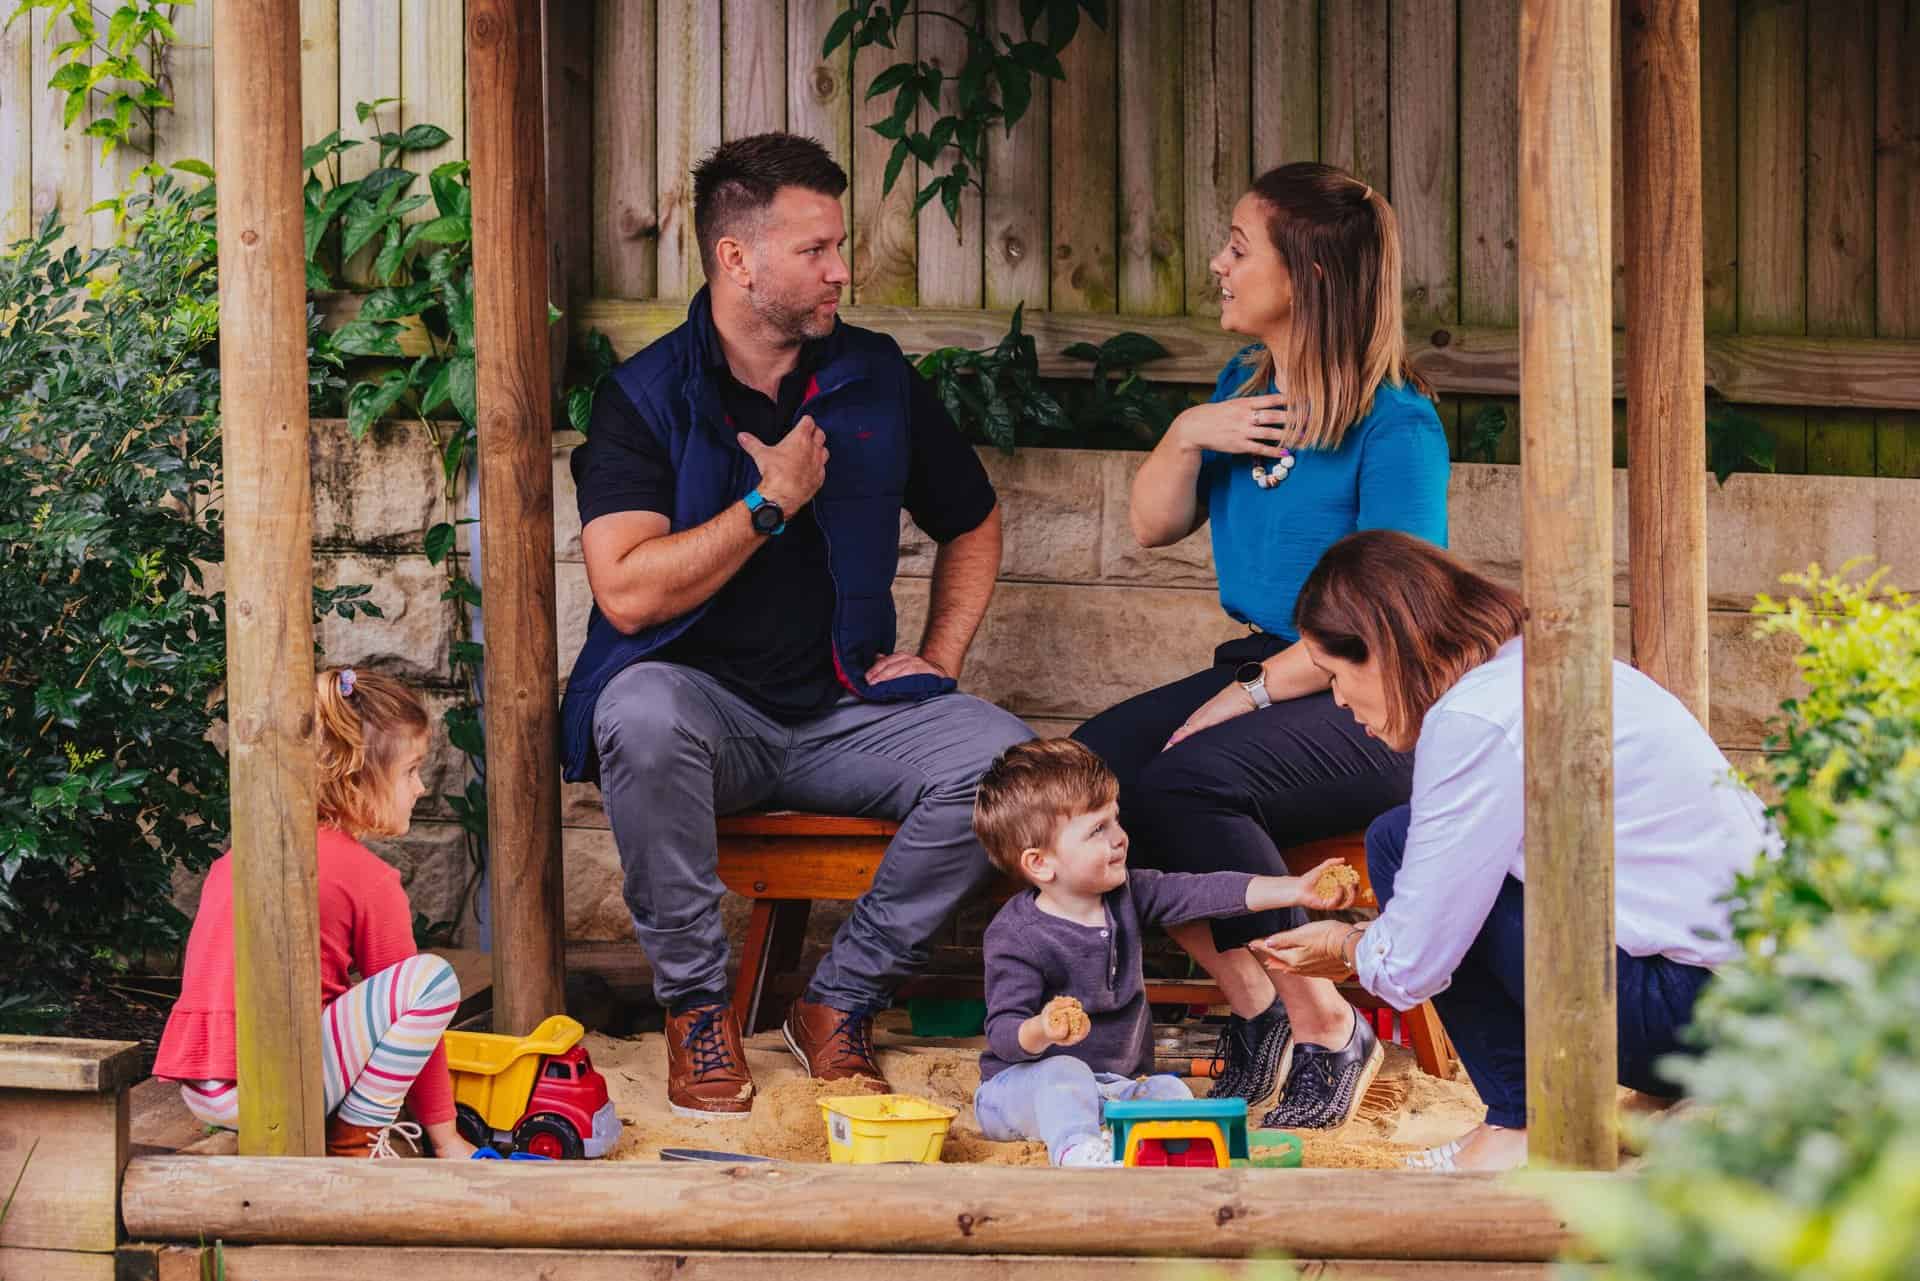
(269, 546)
(1666, 347)
(507, 135)
(63, 1147)
(1566, 415)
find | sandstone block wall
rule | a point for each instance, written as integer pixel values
(1082, 618)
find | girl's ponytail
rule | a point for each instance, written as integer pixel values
(363, 722)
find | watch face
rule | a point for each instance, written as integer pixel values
(768, 517)
(1249, 673)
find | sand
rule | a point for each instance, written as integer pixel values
(1404, 1111)
(1336, 878)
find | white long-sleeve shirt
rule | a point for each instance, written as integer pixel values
(1683, 827)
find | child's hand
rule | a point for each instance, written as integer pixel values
(1329, 887)
(1064, 1021)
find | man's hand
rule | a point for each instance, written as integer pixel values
(893, 666)
(792, 471)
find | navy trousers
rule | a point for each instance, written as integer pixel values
(1230, 798)
(1485, 1007)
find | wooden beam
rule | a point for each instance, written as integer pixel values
(515, 391)
(269, 569)
(945, 1209)
(1566, 413)
(454, 1263)
(68, 1065)
(1666, 357)
(66, 1152)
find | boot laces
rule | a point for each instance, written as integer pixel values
(707, 1041)
(383, 1148)
(856, 1032)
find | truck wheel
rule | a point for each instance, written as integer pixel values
(467, 1123)
(549, 1136)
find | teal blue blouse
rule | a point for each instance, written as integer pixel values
(1390, 472)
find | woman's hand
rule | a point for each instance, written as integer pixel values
(1242, 425)
(1221, 708)
(1317, 950)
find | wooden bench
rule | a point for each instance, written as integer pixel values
(782, 862)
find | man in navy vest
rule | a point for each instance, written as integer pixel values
(740, 495)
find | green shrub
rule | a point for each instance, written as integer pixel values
(1803, 1160)
(112, 650)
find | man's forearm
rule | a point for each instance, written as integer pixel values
(964, 570)
(662, 578)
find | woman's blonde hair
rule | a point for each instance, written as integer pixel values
(363, 723)
(1424, 618)
(1340, 244)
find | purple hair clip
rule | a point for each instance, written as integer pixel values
(346, 682)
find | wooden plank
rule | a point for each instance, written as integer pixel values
(819, 96)
(515, 391)
(269, 544)
(567, 27)
(369, 36)
(18, 89)
(1720, 162)
(795, 823)
(1489, 265)
(1219, 160)
(319, 70)
(625, 221)
(1840, 170)
(1353, 90)
(1773, 161)
(452, 1263)
(884, 232)
(753, 67)
(1666, 358)
(952, 259)
(62, 157)
(947, 1209)
(186, 132)
(1085, 234)
(777, 867)
(1425, 156)
(1286, 83)
(67, 1064)
(433, 86)
(1840, 442)
(1152, 159)
(1758, 369)
(687, 90)
(1018, 247)
(1896, 185)
(55, 1265)
(67, 1151)
(1565, 119)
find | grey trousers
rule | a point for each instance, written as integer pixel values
(677, 749)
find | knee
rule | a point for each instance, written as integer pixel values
(641, 719)
(1063, 1071)
(431, 979)
(984, 731)
(1386, 846)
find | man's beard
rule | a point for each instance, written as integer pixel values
(789, 317)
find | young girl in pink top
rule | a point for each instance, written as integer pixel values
(380, 1037)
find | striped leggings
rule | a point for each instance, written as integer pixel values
(374, 1039)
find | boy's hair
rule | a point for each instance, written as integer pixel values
(1033, 788)
(363, 721)
(737, 181)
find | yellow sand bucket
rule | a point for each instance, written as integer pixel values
(865, 1129)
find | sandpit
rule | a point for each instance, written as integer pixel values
(1406, 1109)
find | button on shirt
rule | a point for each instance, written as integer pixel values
(1684, 826)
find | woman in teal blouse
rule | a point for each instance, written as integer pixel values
(1317, 430)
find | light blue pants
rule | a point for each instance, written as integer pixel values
(1057, 1100)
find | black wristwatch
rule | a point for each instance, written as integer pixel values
(765, 513)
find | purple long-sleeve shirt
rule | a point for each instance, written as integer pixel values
(1032, 957)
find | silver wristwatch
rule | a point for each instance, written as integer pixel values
(1252, 677)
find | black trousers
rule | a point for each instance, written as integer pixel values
(1231, 797)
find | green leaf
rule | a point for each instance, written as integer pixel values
(890, 79)
(76, 103)
(123, 29)
(461, 389)
(837, 34)
(450, 195)
(363, 222)
(363, 110)
(423, 138)
(1016, 89)
(895, 160)
(198, 168)
(368, 338)
(439, 542)
(69, 77)
(435, 394)
(1129, 349)
(452, 229)
(368, 402)
(580, 407)
(377, 183)
(397, 302)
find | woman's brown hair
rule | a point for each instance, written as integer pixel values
(363, 723)
(1424, 617)
(1340, 244)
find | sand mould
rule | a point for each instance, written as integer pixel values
(1405, 1110)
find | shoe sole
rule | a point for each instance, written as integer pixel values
(698, 1114)
(1375, 1062)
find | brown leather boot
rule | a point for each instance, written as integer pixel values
(707, 1074)
(833, 1045)
(344, 1138)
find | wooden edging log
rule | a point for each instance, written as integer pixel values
(1322, 1214)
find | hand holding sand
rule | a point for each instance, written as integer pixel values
(1330, 887)
(1065, 1021)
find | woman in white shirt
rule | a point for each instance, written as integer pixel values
(1426, 655)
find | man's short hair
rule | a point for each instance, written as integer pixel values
(737, 181)
(1033, 788)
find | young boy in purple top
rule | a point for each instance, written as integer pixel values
(1067, 1017)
